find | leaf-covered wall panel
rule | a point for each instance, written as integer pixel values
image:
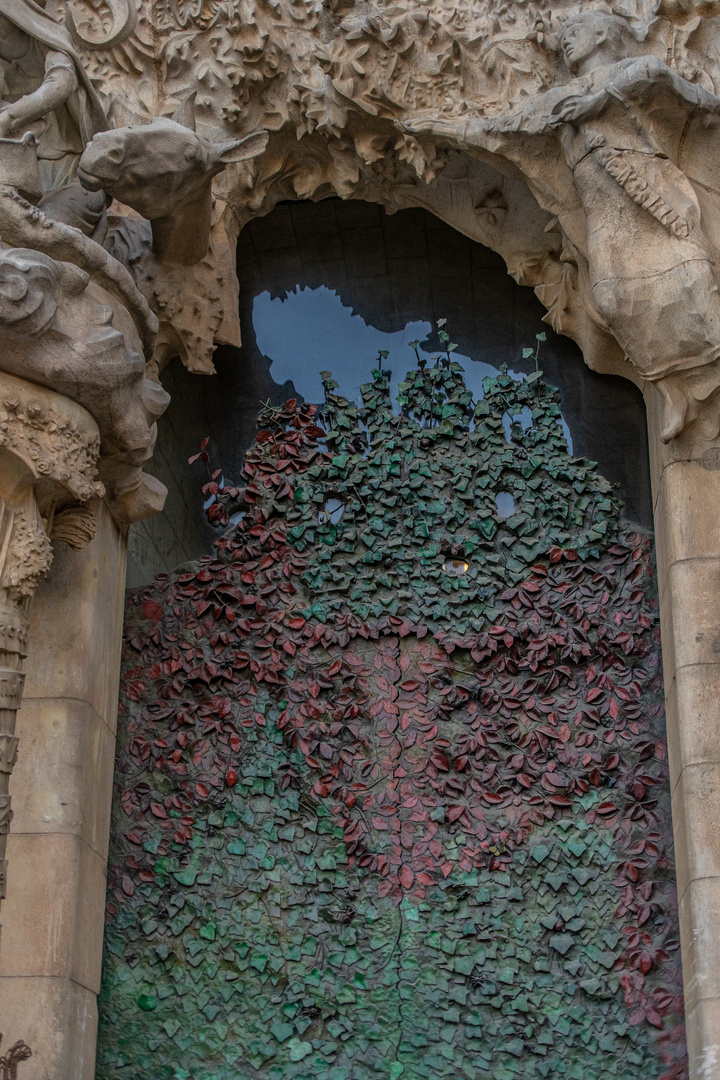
(391, 792)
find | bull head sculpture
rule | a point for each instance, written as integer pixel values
(164, 171)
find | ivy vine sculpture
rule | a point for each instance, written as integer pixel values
(392, 793)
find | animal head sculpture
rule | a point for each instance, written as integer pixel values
(164, 171)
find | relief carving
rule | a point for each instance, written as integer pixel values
(60, 334)
(580, 144)
(75, 525)
(56, 445)
(577, 143)
(71, 316)
(164, 171)
(5, 814)
(123, 20)
(380, 103)
(13, 633)
(49, 452)
(77, 410)
(45, 89)
(8, 752)
(29, 555)
(649, 260)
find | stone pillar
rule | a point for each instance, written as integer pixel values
(54, 878)
(686, 497)
(62, 786)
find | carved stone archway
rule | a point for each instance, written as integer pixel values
(592, 171)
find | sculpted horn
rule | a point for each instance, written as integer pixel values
(185, 113)
(124, 20)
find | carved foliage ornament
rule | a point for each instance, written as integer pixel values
(442, 106)
(49, 450)
(71, 316)
(71, 382)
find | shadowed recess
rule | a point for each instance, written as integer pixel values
(369, 276)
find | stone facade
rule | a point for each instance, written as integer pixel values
(580, 143)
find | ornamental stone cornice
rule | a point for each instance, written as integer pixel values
(450, 107)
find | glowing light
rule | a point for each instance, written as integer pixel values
(456, 567)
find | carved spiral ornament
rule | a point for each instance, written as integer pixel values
(124, 20)
(28, 280)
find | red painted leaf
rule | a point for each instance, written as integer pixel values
(406, 876)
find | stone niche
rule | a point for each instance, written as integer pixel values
(138, 142)
(337, 265)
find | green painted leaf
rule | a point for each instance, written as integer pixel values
(562, 943)
(299, 1050)
(281, 1031)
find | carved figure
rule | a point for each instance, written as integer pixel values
(59, 333)
(25, 225)
(650, 263)
(164, 171)
(45, 88)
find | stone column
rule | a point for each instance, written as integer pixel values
(686, 496)
(51, 953)
(49, 448)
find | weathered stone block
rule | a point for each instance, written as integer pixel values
(58, 1021)
(53, 914)
(687, 522)
(63, 779)
(74, 640)
(693, 717)
(700, 941)
(695, 825)
(702, 1025)
(690, 615)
